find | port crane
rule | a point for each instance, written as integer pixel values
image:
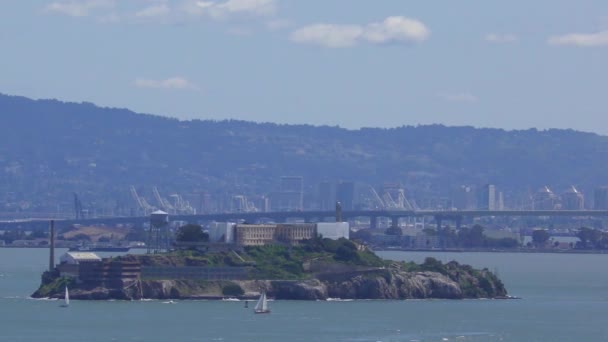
(143, 205)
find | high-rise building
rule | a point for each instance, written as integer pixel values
(544, 199)
(326, 198)
(261, 203)
(572, 199)
(345, 194)
(463, 198)
(500, 201)
(290, 196)
(600, 198)
(487, 197)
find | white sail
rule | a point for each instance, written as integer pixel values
(262, 305)
(66, 299)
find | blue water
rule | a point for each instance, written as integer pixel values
(564, 298)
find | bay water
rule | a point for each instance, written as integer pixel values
(564, 297)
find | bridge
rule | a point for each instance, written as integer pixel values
(456, 216)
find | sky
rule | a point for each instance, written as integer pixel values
(351, 63)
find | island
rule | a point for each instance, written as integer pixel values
(314, 269)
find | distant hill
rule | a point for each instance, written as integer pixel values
(50, 149)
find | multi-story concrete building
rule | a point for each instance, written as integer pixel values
(254, 234)
(291, 234)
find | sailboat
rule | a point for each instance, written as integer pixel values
(262, 305)
(66, 299)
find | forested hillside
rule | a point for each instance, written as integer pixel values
(50, 149)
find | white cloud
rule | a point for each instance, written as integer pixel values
(169, 83)
(76, 8)
(500, 38)
(258, 7)
(581, 39)
(459, 97)
(393, 30)
(154, 11)
(332, 36)
(221, 10)
(396, 30)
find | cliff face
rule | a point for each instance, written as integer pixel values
(369, 284)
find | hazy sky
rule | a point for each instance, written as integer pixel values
(352, 63)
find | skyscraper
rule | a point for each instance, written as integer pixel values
(326, 198)
(487, 197)
(572, 199)
(345, 194)
(544, 199)
(463, 198)
(290, 196)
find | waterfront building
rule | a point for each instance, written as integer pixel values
(424, 240)
(572, 199)
(70, 263)
(600, 198)
(110, 272)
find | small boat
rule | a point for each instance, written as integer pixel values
(170, 301)
(262, 305)
(66, 299)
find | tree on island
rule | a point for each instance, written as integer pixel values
(592, 238)
(191, 233)
(540, 237)
(394, 231)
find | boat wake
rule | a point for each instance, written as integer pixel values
(43, 299)
(338, 300)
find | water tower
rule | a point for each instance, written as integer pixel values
(158, 235)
